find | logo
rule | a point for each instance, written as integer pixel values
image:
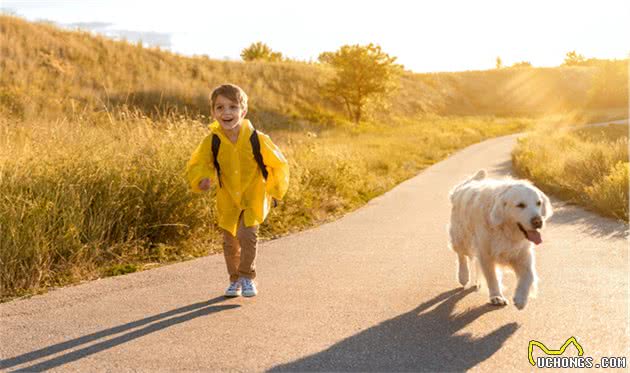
(554, 360)
(544, 348)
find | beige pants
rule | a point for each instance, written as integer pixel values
(240, 251)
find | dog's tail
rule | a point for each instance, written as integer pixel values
(481, 174)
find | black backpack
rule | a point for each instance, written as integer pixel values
(253, 139)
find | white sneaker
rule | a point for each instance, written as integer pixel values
(249, 288)
(234, 290)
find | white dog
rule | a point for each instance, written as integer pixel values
(497, 222)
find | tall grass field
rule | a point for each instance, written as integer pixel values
(588, 166)
(84, 200)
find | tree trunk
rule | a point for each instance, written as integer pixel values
(357, 115)
(359, 105)
(348, 108)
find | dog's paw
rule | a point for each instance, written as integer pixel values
(520, 302)
(498, 300)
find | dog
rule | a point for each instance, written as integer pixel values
(497, 223)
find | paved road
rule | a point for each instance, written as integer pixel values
(373, 291)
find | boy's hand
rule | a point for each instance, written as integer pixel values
(204, 184)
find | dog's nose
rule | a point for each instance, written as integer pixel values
(537, 222)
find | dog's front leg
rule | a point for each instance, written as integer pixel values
(463, 273)
(526, 274)
(489, 272)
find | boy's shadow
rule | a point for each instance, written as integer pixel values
(131, 331)
(420, 340)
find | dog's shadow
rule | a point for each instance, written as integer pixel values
(424, 339)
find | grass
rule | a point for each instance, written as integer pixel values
(587, 166)
(88, 199)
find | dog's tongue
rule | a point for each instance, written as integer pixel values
(534, 236)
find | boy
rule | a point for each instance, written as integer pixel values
(247, 184)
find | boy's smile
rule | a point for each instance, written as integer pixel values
(228, 113)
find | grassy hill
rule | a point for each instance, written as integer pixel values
(53, 72)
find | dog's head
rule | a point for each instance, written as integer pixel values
(525, 207)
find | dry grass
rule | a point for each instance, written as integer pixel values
(588, 166)
(87, 199)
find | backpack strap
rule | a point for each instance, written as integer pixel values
(253, 139)
(216, 142)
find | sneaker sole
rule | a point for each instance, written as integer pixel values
(249, 295)
(232, 295)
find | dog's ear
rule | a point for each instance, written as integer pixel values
(497, 214)
(546, 210)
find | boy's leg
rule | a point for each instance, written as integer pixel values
(248, 240)
(232, 253)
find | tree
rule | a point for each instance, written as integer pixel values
(364, 73)
(573, 59)
(260, 51)
(499, 63)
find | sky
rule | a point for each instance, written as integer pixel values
(425, 36)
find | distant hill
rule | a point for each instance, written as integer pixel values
(49, 72)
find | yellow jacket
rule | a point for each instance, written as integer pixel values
(244, 188)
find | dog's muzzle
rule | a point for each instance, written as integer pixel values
(533, 235)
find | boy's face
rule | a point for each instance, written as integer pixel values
(228, 113)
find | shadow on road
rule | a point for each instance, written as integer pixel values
(590, 223)
(153, 324)
(421, 340)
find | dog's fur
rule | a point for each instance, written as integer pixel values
(485, 228)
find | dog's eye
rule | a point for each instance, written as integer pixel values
(521, 205)
(538, 203)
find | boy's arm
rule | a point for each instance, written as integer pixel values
(200, 165)
(277, 165)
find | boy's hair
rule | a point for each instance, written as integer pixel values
(230, 91)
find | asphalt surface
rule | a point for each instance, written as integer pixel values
(373, 291)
